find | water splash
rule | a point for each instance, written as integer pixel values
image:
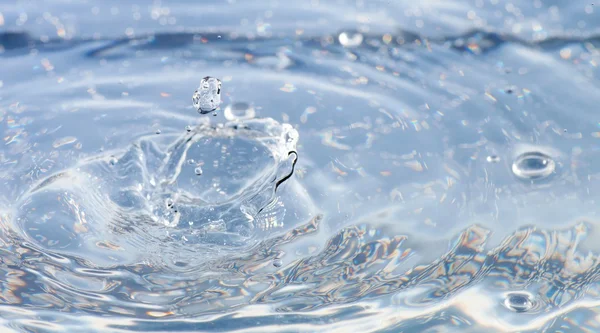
(207, 97)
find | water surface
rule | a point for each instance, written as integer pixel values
(374, 166)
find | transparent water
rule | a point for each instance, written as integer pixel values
(375, 166)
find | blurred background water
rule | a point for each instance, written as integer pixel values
(375, 166)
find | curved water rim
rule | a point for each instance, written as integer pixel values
(110, 209)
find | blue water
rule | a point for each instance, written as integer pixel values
(375, 166)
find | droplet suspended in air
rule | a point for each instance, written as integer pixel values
(207, 97)
(198, 171)
(158, 131)
(239, 111)
(350, 40)
(188, 128)
(533, 165)
(519, 302)
(277, 263)
(493, 159)
(113, 161)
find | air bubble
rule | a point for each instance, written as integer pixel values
(519, 302)
(350, 40)
(493, 159)
(533, 165)
(239, 111)
(207, 97)
(198, 171)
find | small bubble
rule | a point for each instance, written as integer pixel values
(208, 95)
(239, 111)
(493, 159)
(533, 165)
(191, 161)
(350, 40)
(188, 128)
(214, 114)
(277, 263)
(219, 37)
(198, 171)
(519, 302)
(113, 161)
(158, 131)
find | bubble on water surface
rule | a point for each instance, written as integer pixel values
(207, 97)
(519, 301)
(239, 111)
(533, 165)
(350, 39)
(493, 159)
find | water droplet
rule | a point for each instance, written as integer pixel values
(239, 111)
(214, 114)
(191, 223)
(277, 263)
(188, 128)
(493, 159)
(157, 131)
(113, 161)
(350, 40)
(208, 95)
(219, 37)
(519, 302)
(198, 171)
(169, 202)
(191, 161)
(533, 165)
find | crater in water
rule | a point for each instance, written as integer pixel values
(533, 165)
(170, 193)
(519, 301)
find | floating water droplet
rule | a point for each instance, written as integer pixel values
(239, 111)
(113, 161)
(277, 263)
(157, 131)
(191, 223)
(214, 114)
(198, 171)
(188, 128)
(191, 161)
(533, 165)
(519, 302)
(208, 95)
(169, 202)
(493, 159)
(219, 37)
(350, 40)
